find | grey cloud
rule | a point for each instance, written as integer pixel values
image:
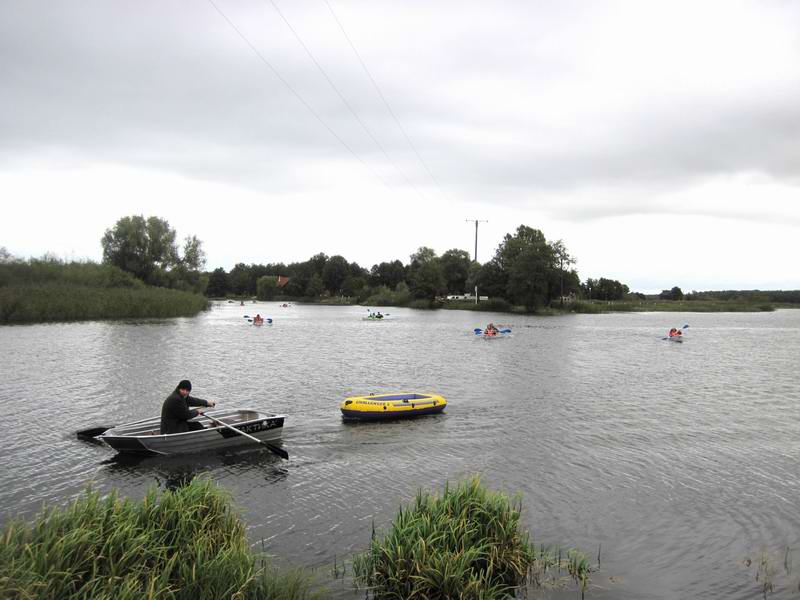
(170, 86)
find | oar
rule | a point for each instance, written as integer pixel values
(279, 451)
(90, 434)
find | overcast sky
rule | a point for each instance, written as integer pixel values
(659, 140)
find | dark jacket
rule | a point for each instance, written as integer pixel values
(175, 412)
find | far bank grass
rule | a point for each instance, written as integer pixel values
(186, 544)
(600, 306)
(48, 291)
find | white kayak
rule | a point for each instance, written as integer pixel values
(145, 437)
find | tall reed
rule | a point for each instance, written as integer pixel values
(465, 544)
(183, 544)
(49, 302)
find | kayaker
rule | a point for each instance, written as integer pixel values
(258, 319)
(491, 329)
(673, 332)
(175, 412)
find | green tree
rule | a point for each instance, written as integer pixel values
(335, 271)
(529, 263)
(674, 294)
(425, 275)
(388, 274)
(315, 287)
(266, 287)
(353, 285)
(492, 280)
(239, 280)
(296, 287)
(455, 268)
(217, 283)
(147, 249)
(564, 261)
(317, 263)
(529, 277)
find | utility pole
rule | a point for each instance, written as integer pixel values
(476, 221)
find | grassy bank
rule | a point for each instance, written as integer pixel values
(183, 544)
(466, 543)
(47, 291)
(602, 306)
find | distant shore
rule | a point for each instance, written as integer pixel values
(575, 307)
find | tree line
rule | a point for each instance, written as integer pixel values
(526, 270)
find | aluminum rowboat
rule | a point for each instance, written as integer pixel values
(144, 437)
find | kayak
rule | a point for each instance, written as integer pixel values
(383, 407)
(674, 338)
(501, 333)
(144, 437)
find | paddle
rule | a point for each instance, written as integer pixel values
(279, 451)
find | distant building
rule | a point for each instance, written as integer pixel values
(282, 281)
(468, 297)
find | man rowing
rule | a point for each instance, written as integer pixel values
(175, 412)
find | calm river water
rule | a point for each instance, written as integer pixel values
(679, 460)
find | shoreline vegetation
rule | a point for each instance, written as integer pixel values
(41, 291)
(190, 544)
(144, 274)
(574, 307)
(49, 290)
(182, 544)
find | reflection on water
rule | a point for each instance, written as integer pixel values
(170, 472)
(680, 459)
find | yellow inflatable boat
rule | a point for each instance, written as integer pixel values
(381, 407)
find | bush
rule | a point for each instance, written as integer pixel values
(465, 544)
(383, 296)
(184, 544)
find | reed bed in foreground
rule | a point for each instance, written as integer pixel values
(464, 544)
(183, 544)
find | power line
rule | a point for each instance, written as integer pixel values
(383, 98)
(297, 94)
(342, 98)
